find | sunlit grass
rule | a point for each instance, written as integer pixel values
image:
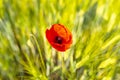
(25, 54)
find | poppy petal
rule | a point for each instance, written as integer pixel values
(59, 37)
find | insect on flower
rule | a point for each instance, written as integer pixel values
(59, 37)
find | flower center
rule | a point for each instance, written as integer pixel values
(58, 40)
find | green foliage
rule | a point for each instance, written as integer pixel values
(25, 54)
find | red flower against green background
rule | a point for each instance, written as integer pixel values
(59, 37)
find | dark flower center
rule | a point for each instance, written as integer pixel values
(58, 40)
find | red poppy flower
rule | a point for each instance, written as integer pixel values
(59, 37)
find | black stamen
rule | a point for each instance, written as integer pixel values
(58, 40)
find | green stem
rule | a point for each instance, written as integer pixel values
(41, 57)
(62, 64)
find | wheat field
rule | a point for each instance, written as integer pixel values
(25, 53)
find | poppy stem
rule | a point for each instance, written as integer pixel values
(55, 57)
(62, 65)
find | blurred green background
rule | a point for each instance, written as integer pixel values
(25, 54)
